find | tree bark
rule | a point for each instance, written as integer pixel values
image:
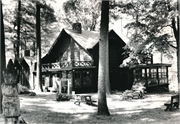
(38, 34)
(102, 102)
(3, 56)
(18, 22)
(175, 27)
(18, 27)
(178, 51)
(107, 81)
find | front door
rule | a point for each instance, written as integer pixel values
(77, 79)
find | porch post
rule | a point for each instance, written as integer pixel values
(69, 86)
(59, 86)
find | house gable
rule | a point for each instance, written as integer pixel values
(75, 55)
(112, 35)
(84, 41)
(70, 47)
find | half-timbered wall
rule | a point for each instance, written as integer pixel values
(75, 56)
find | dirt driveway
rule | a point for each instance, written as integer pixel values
(43, 109)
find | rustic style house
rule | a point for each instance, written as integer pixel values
(71, 64)
(73, 60)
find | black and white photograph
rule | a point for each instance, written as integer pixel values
(90, 62)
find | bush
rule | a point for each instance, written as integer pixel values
(62, 97)
(137, 91)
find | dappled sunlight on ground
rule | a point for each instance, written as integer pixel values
(128, 112)
(81, 117)
(176, 114)
(148, 120)
(44, 109)
(54, 106)
(151, 102)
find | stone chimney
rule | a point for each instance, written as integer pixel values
(77, 27)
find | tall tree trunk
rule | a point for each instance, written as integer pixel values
(175, 26)
(3, 57)
(18, 27)
(107, 81)
(176, 34)
(108, 87)
(178, 51)
(38, 34)
(102, 102)
(18, 22)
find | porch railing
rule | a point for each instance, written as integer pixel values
(51, 65)
(76, 64)
(58, 65)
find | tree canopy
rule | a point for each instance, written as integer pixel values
(28, 22)
(86, 12)
(152, 25)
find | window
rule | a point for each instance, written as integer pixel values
(77, 75)
(143, 73)
(139, 74)
(153, 73)
(162, 72)
(86, 74)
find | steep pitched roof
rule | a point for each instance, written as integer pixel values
(124, 38)
(87, 40)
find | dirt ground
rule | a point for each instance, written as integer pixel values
(44, 109)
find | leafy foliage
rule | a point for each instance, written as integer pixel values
(28, 22)
(86, 12)
(151, 21)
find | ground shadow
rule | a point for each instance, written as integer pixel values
(37, 112)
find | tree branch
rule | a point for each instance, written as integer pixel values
(171, 45)
(174, 28)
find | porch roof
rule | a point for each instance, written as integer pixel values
(148, 65)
